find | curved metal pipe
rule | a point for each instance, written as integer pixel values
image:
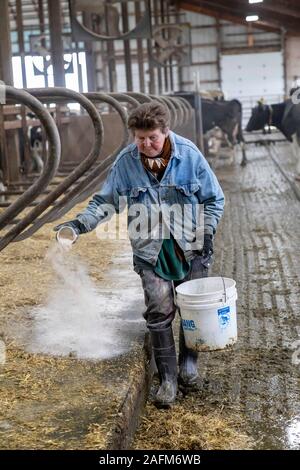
(123, 97)
(87, 186)
(51, 165)
(172, 109)
(180, 112)
(104, 165)
(91, 188)
(161, 100)
(187, 106)
(140, 97)
(47, 94)
(77, 194)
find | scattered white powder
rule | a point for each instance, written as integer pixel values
(74, 321)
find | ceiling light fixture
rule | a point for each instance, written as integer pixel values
(252, 18)
(256, 1)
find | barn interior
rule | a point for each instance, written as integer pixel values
(75, 355)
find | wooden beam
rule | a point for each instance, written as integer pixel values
(243, 8)
(207, 62)
(249, 50)
(273, 6)
(210, 11)
(283, 17)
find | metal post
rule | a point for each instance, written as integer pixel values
(150, 69)
(140, 54)
(21, 41)
(218, 31)
(3, 148)
(57, 49)
(89, 55)
(6, 73)
(9, 143)
(111, 62)
(27, 154)
(162, 12)
(43, 42)
(79, 69)
(170, 60)
(127, 55)
(152, 86)
(283, 48)
(159, 70)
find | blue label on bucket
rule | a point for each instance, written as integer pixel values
(188, 325)
(224, 316)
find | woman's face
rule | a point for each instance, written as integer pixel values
(150, 142)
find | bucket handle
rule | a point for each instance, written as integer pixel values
(175, 298)
(225, 294)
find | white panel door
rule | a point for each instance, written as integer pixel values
(250, 77)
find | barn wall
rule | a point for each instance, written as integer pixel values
(204, 50)
(292, 61)
(222, 52)
(212, 40)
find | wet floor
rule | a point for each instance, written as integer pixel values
(257, 244)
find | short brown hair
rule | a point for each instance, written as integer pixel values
(149, 116)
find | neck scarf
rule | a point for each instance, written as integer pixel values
(157, 165)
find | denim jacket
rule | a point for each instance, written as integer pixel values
(187, 181)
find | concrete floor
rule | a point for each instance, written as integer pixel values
(257, 244)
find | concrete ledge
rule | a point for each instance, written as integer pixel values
(133, 404)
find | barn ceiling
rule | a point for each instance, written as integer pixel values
(273, 15)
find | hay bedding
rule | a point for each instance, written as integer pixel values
(190, 426)
(50, 402)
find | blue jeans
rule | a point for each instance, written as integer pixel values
(159, 294)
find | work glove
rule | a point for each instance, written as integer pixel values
(77, 226)
(207, 250)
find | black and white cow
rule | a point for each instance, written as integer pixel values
(285, 117)
(36, 147)
(35, 139)
(2, 187)
(227, 115)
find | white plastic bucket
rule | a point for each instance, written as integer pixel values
(208, 312)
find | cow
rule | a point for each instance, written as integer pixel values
(36, 147)
(285, 117)
(35, 139)
(2, 187)
(227, 115)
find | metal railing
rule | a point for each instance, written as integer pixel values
(79, 180)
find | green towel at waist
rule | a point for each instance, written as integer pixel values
(170, 264)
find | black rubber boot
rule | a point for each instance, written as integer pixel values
(188, 372)
(165, 357)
